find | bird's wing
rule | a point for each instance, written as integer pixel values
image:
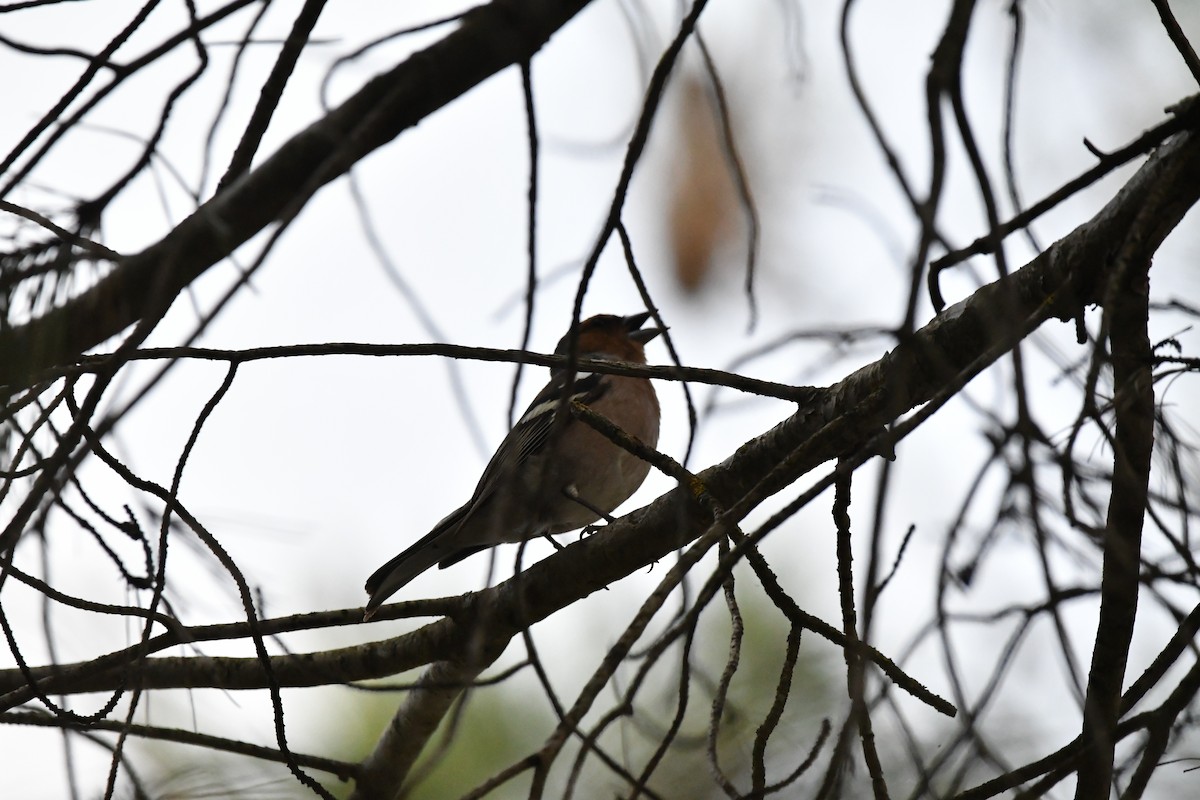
(532, 431)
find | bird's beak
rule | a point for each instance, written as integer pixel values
(633, 324)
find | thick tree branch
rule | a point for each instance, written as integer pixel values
(1127, 314)
(417, 720)
(490, 38)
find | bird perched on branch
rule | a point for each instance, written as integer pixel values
(550, 474)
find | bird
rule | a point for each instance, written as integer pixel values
(549, 475)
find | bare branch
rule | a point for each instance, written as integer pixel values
(491, 37)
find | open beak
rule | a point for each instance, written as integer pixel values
(633, 324)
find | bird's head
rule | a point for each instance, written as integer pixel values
(610, 336)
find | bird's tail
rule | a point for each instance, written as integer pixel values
(420, 556)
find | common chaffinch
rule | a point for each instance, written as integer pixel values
(548, 476)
